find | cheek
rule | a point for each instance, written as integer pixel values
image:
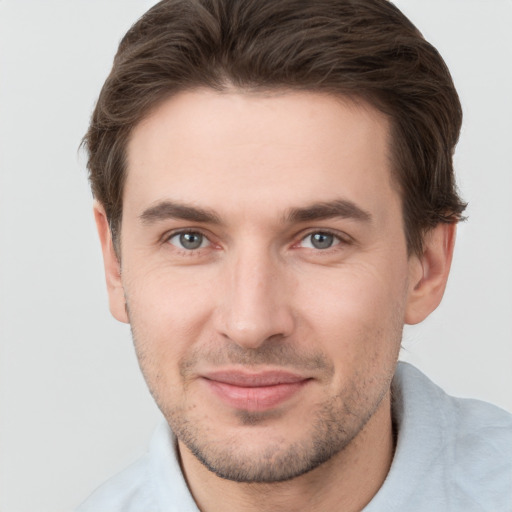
(359, 311)
(164, 296)
(168, 314)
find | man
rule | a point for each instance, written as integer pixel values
(275, 199)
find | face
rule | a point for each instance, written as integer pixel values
(266, 276)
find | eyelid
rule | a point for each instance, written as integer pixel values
(166, 237)
(178, 231)
(342, 238)
(205, 242)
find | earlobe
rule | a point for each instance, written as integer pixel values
(111, 264)
(429, 273)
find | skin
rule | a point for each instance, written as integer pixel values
(251, 175)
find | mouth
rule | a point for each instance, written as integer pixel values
(254, 391)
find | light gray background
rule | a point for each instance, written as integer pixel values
(74, 408)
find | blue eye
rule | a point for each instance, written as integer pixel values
(320, 240)
(189, 240)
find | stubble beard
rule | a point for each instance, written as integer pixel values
(333, 430)
(338, 420)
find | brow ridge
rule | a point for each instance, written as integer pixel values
(165, 210)
(342, 208)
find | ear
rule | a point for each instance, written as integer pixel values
(112, 266)
(428, 273)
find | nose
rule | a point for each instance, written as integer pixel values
(256, 300)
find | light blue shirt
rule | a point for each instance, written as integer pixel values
(451, 455)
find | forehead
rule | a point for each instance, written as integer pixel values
(240, 151)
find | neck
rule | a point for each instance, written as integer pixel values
(348, 481)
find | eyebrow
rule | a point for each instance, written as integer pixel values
(165, 210)
(341, 208)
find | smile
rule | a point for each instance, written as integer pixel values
(254, 392)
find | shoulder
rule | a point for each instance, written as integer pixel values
(465, 429)
(458, 419)
(128, 491)
(153, 483)
(451, 453)
(478, 448)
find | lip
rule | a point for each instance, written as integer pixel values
(254, 391)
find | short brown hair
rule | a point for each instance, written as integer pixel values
(358, 48)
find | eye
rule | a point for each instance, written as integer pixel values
(189, 240)
(320, 240)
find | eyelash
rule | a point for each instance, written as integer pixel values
(169, 236)
(341, 239)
